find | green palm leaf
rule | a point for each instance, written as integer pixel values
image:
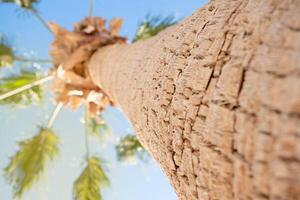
(29, 163)
(6, 55)
(97, 127)
(27, 4)
(32, 95)
(89, 184)
(129, 149)
(152, 25)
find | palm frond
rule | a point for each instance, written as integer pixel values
(27, 4)
(40, 18)
(29, 163)
(7, 1)
(89, 184)
(97, 127)
(6, 55)
(31, 60)
(130, 149)
(152, 25)
(31, 95)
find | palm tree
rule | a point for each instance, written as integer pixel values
(24, 88)
(215, 98)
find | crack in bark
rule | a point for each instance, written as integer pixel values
(206, 107)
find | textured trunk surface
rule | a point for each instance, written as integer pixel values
(216, 99)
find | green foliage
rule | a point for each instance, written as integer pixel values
(6, 55)
(152, 25)
(89, 184)
(97, 127)
(29, 163)
(27, 4)
(129, 148)
(33, 95)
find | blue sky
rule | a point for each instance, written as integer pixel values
(128, 182)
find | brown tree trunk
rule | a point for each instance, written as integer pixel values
(216, 99)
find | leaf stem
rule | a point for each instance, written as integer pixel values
(40, 18)
(54, 115)
(23, 59)
(25, 87)
(91, 7)
(86, 136)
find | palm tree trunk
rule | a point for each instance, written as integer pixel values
(216, 99)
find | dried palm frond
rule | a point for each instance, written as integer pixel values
(89, 184)
(71, 51)
(29, 163)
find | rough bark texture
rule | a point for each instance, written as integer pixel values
(216, 99)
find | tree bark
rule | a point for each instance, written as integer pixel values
(216, 99)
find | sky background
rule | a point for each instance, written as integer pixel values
(128, 182)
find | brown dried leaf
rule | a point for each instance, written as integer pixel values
(62, 97)
(57, 85)
(75, 102)
(115, 26)
(72, 79)
(93, 109)
(56, 29)
(80, 69)
(71, 51)
(81, 54)
(90, 25)
(64, 44)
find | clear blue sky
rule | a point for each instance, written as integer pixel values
(144, 181)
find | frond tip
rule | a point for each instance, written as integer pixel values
(6, 55)
(97, 127)
(129, 149)
(152, 25)
(89, 184)
(29, 163)
(26, 4)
